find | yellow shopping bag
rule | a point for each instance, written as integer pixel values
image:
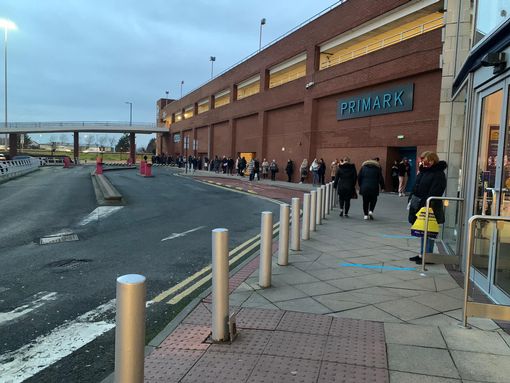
(419, 225)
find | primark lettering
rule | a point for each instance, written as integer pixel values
(394, 100)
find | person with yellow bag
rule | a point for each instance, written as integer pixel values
(431, 181)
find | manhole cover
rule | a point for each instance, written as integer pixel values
(70, 263)
(57, 238)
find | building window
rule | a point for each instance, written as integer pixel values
(178, 116)
(248, 87)
(222, 98)
(188, 112)
(350, 46)
(287, 71)
(490, 14)
(203, 106)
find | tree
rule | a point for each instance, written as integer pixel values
(111, 141)
(63, 138)
(88, 139)
(151, 146)
(123, 144)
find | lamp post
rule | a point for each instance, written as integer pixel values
(262, 22)
(182, 83)
(130, 112)
(212, 59)
(6, 25)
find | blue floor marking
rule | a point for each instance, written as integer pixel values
(379, 267)
(397, 236)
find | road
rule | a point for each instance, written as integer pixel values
(56, 300)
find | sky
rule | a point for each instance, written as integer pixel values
(81, 60)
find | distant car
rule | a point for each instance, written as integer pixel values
(2, 158)
(22, 157)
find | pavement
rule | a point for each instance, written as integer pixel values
(349, 307)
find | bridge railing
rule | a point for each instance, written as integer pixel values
(74, 124)
(16, 168)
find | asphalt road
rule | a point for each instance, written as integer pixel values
(56, 299)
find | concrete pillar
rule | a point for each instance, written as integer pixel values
(13, 144)
(132, 148)
(76, 144)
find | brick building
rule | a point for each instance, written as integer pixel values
(361, 80)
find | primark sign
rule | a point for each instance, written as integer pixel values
(391, 100)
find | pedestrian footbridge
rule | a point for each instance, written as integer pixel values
(81, 126)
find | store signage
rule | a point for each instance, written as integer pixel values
(392, 100)
(177, 137)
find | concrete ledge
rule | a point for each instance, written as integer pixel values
(108, 190)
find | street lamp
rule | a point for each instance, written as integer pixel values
(182, 83)
(130, 112)
(212, 59)
(6, 25)
(262, 22)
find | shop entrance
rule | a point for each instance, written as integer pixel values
(409, 152)
(248, 156)
(490, 191)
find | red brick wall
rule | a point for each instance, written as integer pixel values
(222, 137)
(248, 134)
(203, 139)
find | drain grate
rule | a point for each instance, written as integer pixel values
(58, 238)
(70, 263)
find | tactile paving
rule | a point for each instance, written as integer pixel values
(169, 367)
(247, 342)
(216, 367)
(355, 351)
(201, 315)
(357, 328)
(342, 373)
(262, 319)
(186, 337)
(278, 369)
(296, 345)
(305, 323)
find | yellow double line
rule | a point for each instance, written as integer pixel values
(203, 276)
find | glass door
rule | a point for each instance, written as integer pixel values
(491, 258)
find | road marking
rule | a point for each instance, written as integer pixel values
(189, 279)
(39, 300)
(378, 267)
(178, 235)
(28, 360)
(99, 213)
(202, 281)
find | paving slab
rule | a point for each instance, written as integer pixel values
(368, 313)
(282, 293)
(474, 340)
(307, 305)
(296, 345)
(482, 367)
(438, 301)
(317, 288)
(405, 377)
(406, 309)
(421, 360)
(414, 335)
(305, 323)
(279, 369)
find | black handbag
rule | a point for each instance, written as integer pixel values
(415, 203)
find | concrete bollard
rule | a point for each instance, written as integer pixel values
(220, 266)
(266, 241)
(295, 242)
(323, 202)
(143, 165)
(318, 214)
(148, 170)
(99, 168)
(130, 329)
(305, 231)
(283, 241)
(313, 209)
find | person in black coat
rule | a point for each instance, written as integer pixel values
(289, 169)
(345, 184)
(322, 171)
(370, 178)
(431, 181)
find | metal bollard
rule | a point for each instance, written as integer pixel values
(323, 202)
(318, 214)
(313, 209)
(220, 266)
(305, 231)
(328, 196)
(130, 329)
(333, 197)
(332, 192)
(266, 239)
(283, 241)
(295, 243)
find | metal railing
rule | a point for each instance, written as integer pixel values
(16, 168)
(386, 42)
(287, 78)
(476, 309)
(433, 257)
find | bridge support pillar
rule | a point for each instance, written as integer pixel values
(76, 144)
(13, 144)
(132, 148)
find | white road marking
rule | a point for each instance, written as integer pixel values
(99, 213)
(39, 300)
(178, 235)
(19, 365)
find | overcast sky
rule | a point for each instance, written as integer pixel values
(80, 60)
